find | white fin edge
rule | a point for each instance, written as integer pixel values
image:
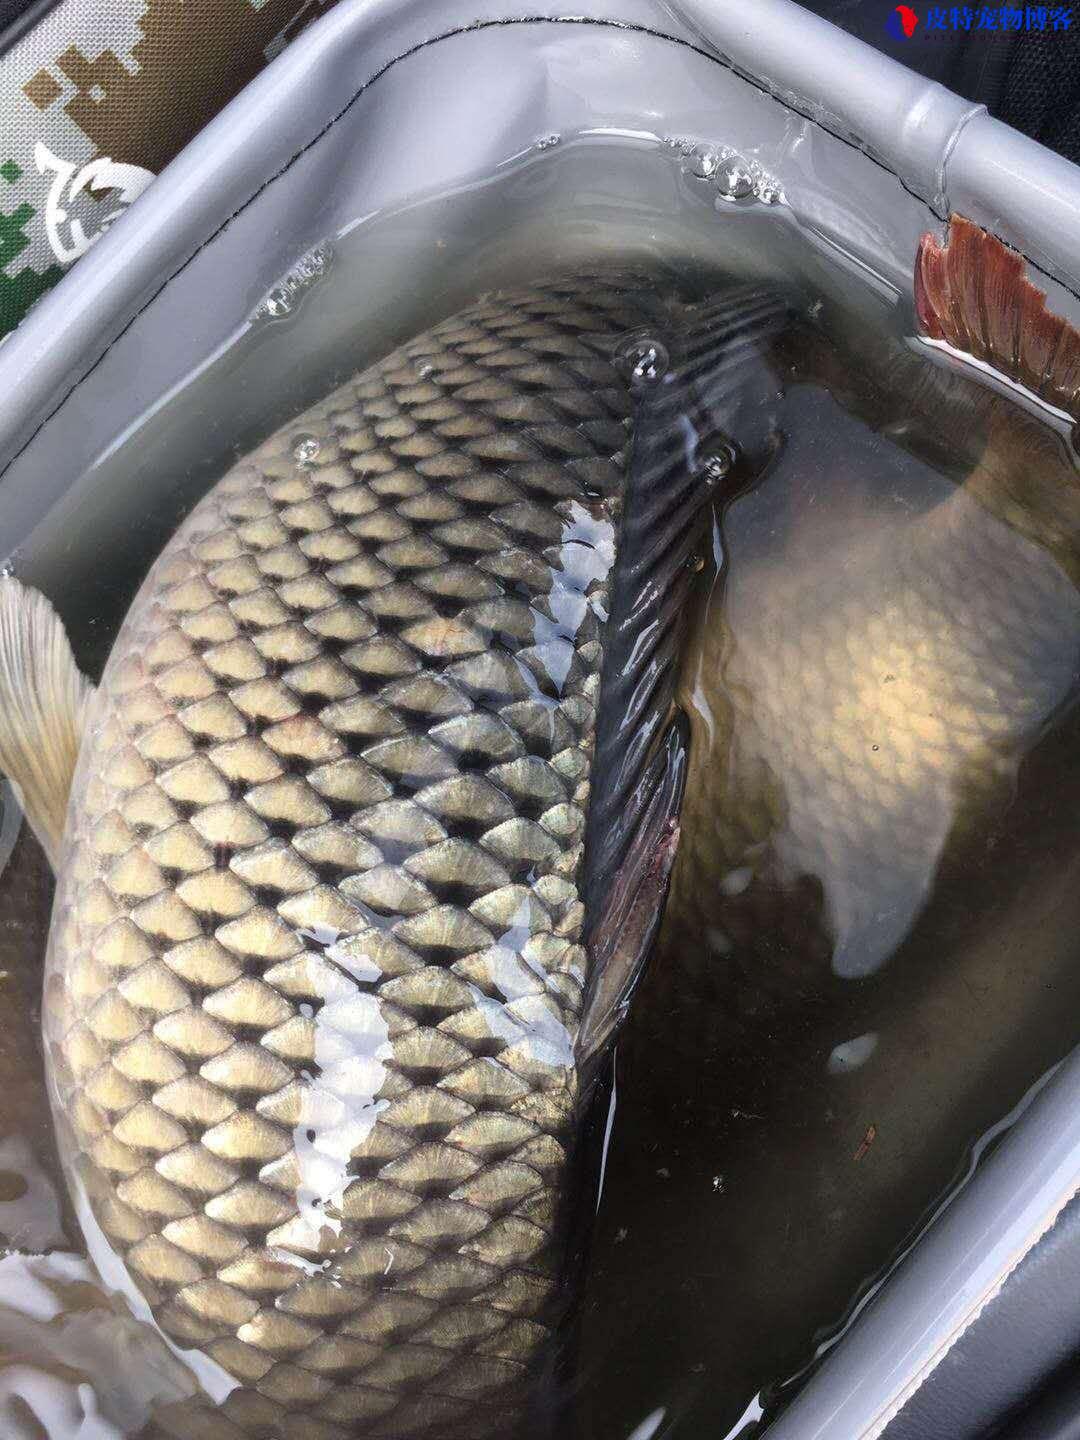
(43, 699)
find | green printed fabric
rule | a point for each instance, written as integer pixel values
(96, 99)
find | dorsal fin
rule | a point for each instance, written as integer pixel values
(972, 292)
(43, 699)
(710, 419)
(621, 934)
(716, 399)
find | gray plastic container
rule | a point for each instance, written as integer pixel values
(386, 119)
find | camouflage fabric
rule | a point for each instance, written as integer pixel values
(99, 96)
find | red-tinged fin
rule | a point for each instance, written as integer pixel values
(973, 293)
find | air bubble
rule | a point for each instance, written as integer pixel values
(769, 191)
(305, 449)
(277, 303)
(704, 161)
(284, 297)
(733, 179)
(734, 176)
(719, 463)
(313, 265)
(644, 359)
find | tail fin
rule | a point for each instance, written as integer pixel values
(43, 700)
(972, 292)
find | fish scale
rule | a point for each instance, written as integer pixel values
(315, 970)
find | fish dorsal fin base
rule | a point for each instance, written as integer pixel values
(43, 698)
(622, 935)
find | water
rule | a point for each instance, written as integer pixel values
(825, 1032)
(794, 1100)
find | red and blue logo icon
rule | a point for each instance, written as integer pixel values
(901, 23)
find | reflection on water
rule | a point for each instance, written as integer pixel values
(75, 1364)
(872, 688)
(869, 952)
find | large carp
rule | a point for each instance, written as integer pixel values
(361, 842)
